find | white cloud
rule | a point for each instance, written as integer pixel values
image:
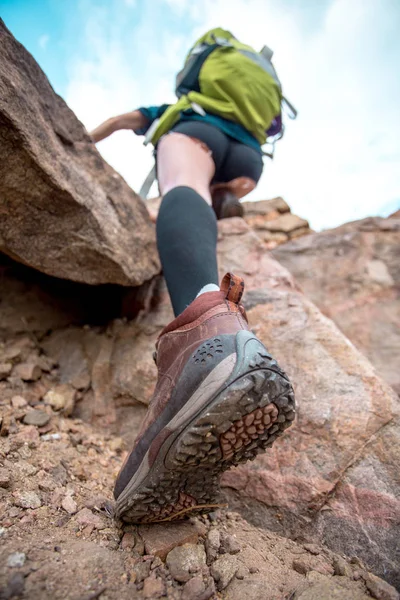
(43, 41)
(336, 162)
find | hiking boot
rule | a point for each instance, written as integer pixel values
(220, 400)
(226, 204)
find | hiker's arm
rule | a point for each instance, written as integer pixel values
(135, 120)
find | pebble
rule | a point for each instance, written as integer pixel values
(49, 437)
(159, 540)
(86, 517)
(379, 589)
(312, 549)
(27, 499)
(61, 397)
(223, 570)
(229, 544)
(212, 544)
(185, 560)
(128, 541)
(28, 371)
(2, 531)
(5, 478)
(153, 588)
(301, 566)
(341, 567)
(15, 586)
(18, 402)
(17, 559)
(69, 505)
(5, 370)
(198, 589)
(141, 570)
(36, 417)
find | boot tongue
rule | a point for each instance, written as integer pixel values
(233, 287)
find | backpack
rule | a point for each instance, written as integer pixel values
(224, 77)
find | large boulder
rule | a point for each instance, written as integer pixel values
(352, 273)
(63, 209)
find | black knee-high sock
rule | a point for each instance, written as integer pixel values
(186, 240)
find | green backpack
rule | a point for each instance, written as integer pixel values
(224, 77)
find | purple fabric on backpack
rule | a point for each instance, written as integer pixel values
(276, 126)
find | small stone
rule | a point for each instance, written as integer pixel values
(36, 417)
(5, 370)
(242, 572)
(15, 586)
(69, 505)
(117, 444)
(153, 588)
(2, 531)
(223, 570)
(5, 425)
(81, 381)
(229, 544)
(28, 435)
(29, 371)
(5, 478)
(253, 570)
(185, 560)
(86, 517)
(379, 589)
(212, 544)
(198, 589)
(340, 567)
(161, 539)
(194, 588)
(51, 437)
(301, 566)
(312, 549)
(16, 560)
(45, 482)
(128, 541)
(27, 499)
(61, 397)
(141, 570)
(157, 562)
(18, 402)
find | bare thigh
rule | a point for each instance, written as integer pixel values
(182, 160)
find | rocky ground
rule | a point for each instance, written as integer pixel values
(59, 539)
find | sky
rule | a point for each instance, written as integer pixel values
(338, 61)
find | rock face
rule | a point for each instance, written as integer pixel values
(63, 209)
(332, 479)
(352, 273)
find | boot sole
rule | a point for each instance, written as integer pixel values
(213, 432)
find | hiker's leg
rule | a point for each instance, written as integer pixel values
(186, 224)
(219, 399)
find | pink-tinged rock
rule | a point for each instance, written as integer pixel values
(69, 505)
(352, 274)
(347, 429)
(29, 371)
(159, 540)
(28, 434)
(86, 517)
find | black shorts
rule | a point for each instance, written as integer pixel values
(232, 159)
